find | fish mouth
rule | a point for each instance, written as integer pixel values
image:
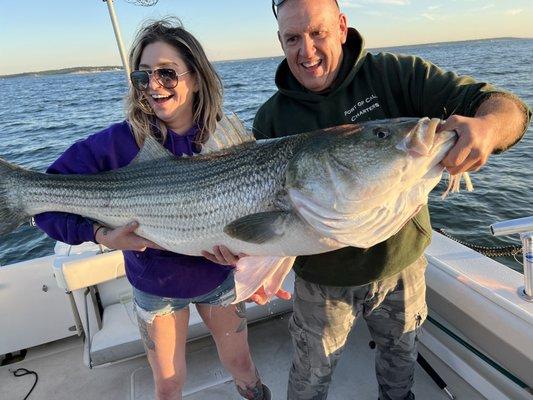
(424, 140)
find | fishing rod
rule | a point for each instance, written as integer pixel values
(116, 29)
(118, 37)
(429, 370)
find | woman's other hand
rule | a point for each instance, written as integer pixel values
(123, 238)
(222, 255)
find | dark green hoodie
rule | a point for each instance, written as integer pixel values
(368, 87)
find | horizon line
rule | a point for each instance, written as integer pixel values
(264, 57)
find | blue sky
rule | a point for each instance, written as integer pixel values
(38, 34)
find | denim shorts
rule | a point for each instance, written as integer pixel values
(149, 306)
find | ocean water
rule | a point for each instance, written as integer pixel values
(40, 116)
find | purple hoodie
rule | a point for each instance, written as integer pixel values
(158, 272)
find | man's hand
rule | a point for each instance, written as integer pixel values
(124, 238)
(476, 142)
(222, 255)
(260, 297)
(500, 121)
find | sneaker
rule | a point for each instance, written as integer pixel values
(267, 395)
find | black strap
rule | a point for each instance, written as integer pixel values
(496, 251)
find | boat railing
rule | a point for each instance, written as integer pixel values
(524, 227)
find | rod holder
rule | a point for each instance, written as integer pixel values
(527, 248)
(524, 227)
(511, 226)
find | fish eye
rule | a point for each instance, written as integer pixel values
(381, 133)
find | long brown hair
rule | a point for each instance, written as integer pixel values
(207, 103)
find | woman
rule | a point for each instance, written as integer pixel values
(176, 96)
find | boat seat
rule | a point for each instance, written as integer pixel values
(102, 300)
(81, 270)
(118, 338)
(102, 303)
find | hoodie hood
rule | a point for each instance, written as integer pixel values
(353, 56)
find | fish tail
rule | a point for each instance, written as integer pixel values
(12, 214)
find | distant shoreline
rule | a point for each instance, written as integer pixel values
(72, 70)
(75, 70)
(400, 46)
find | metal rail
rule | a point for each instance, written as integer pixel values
(524, 227)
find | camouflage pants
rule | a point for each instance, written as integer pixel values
(323, 316)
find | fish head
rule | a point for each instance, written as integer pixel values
(379, 144)
(353, 168)
(379, 155)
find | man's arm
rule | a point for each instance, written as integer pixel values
(509, 116)
(499, 122)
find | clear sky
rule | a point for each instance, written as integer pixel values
(36, 35)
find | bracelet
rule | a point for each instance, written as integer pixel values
(96, 231)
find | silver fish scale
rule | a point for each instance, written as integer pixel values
(174, 200)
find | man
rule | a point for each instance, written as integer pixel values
(328, 79)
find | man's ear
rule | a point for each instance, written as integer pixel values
(280, 42)
(343, 27)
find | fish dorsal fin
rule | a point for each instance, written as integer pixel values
(152, 150)
(230, 131)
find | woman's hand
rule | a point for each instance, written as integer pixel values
(222, 255)
(123, 238)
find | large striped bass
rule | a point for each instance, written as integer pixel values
(351, 185)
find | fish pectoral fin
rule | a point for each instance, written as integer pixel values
(254, 272)
(260, 227)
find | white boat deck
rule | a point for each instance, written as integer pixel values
(62, 374)
(472, 298)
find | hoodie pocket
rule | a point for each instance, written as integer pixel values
(422, 222)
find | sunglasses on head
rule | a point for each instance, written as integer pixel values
(166, 77)
(277, 3)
